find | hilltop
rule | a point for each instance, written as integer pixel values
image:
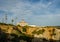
(30, 32)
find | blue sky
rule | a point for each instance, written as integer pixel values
(35, 12)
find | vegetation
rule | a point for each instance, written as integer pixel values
(6, 24)
(38, 32)
(12, 21)
(17, 36)
(24, 29)
(3, 24)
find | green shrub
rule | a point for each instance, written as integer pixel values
(24, 29)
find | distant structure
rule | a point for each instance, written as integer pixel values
(5, 18)
(22, 23)
(33, 25)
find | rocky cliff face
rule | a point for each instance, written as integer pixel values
(48, 32)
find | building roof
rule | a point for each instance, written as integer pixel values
(22, 23)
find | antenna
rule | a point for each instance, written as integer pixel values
(6, 18)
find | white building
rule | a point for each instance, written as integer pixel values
(22, 23)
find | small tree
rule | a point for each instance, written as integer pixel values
(40, 31)
(12, 21)
(24, 29)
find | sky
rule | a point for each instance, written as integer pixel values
(34, 12)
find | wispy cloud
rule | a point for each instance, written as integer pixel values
(39, 12)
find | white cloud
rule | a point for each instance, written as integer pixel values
(29, 12)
